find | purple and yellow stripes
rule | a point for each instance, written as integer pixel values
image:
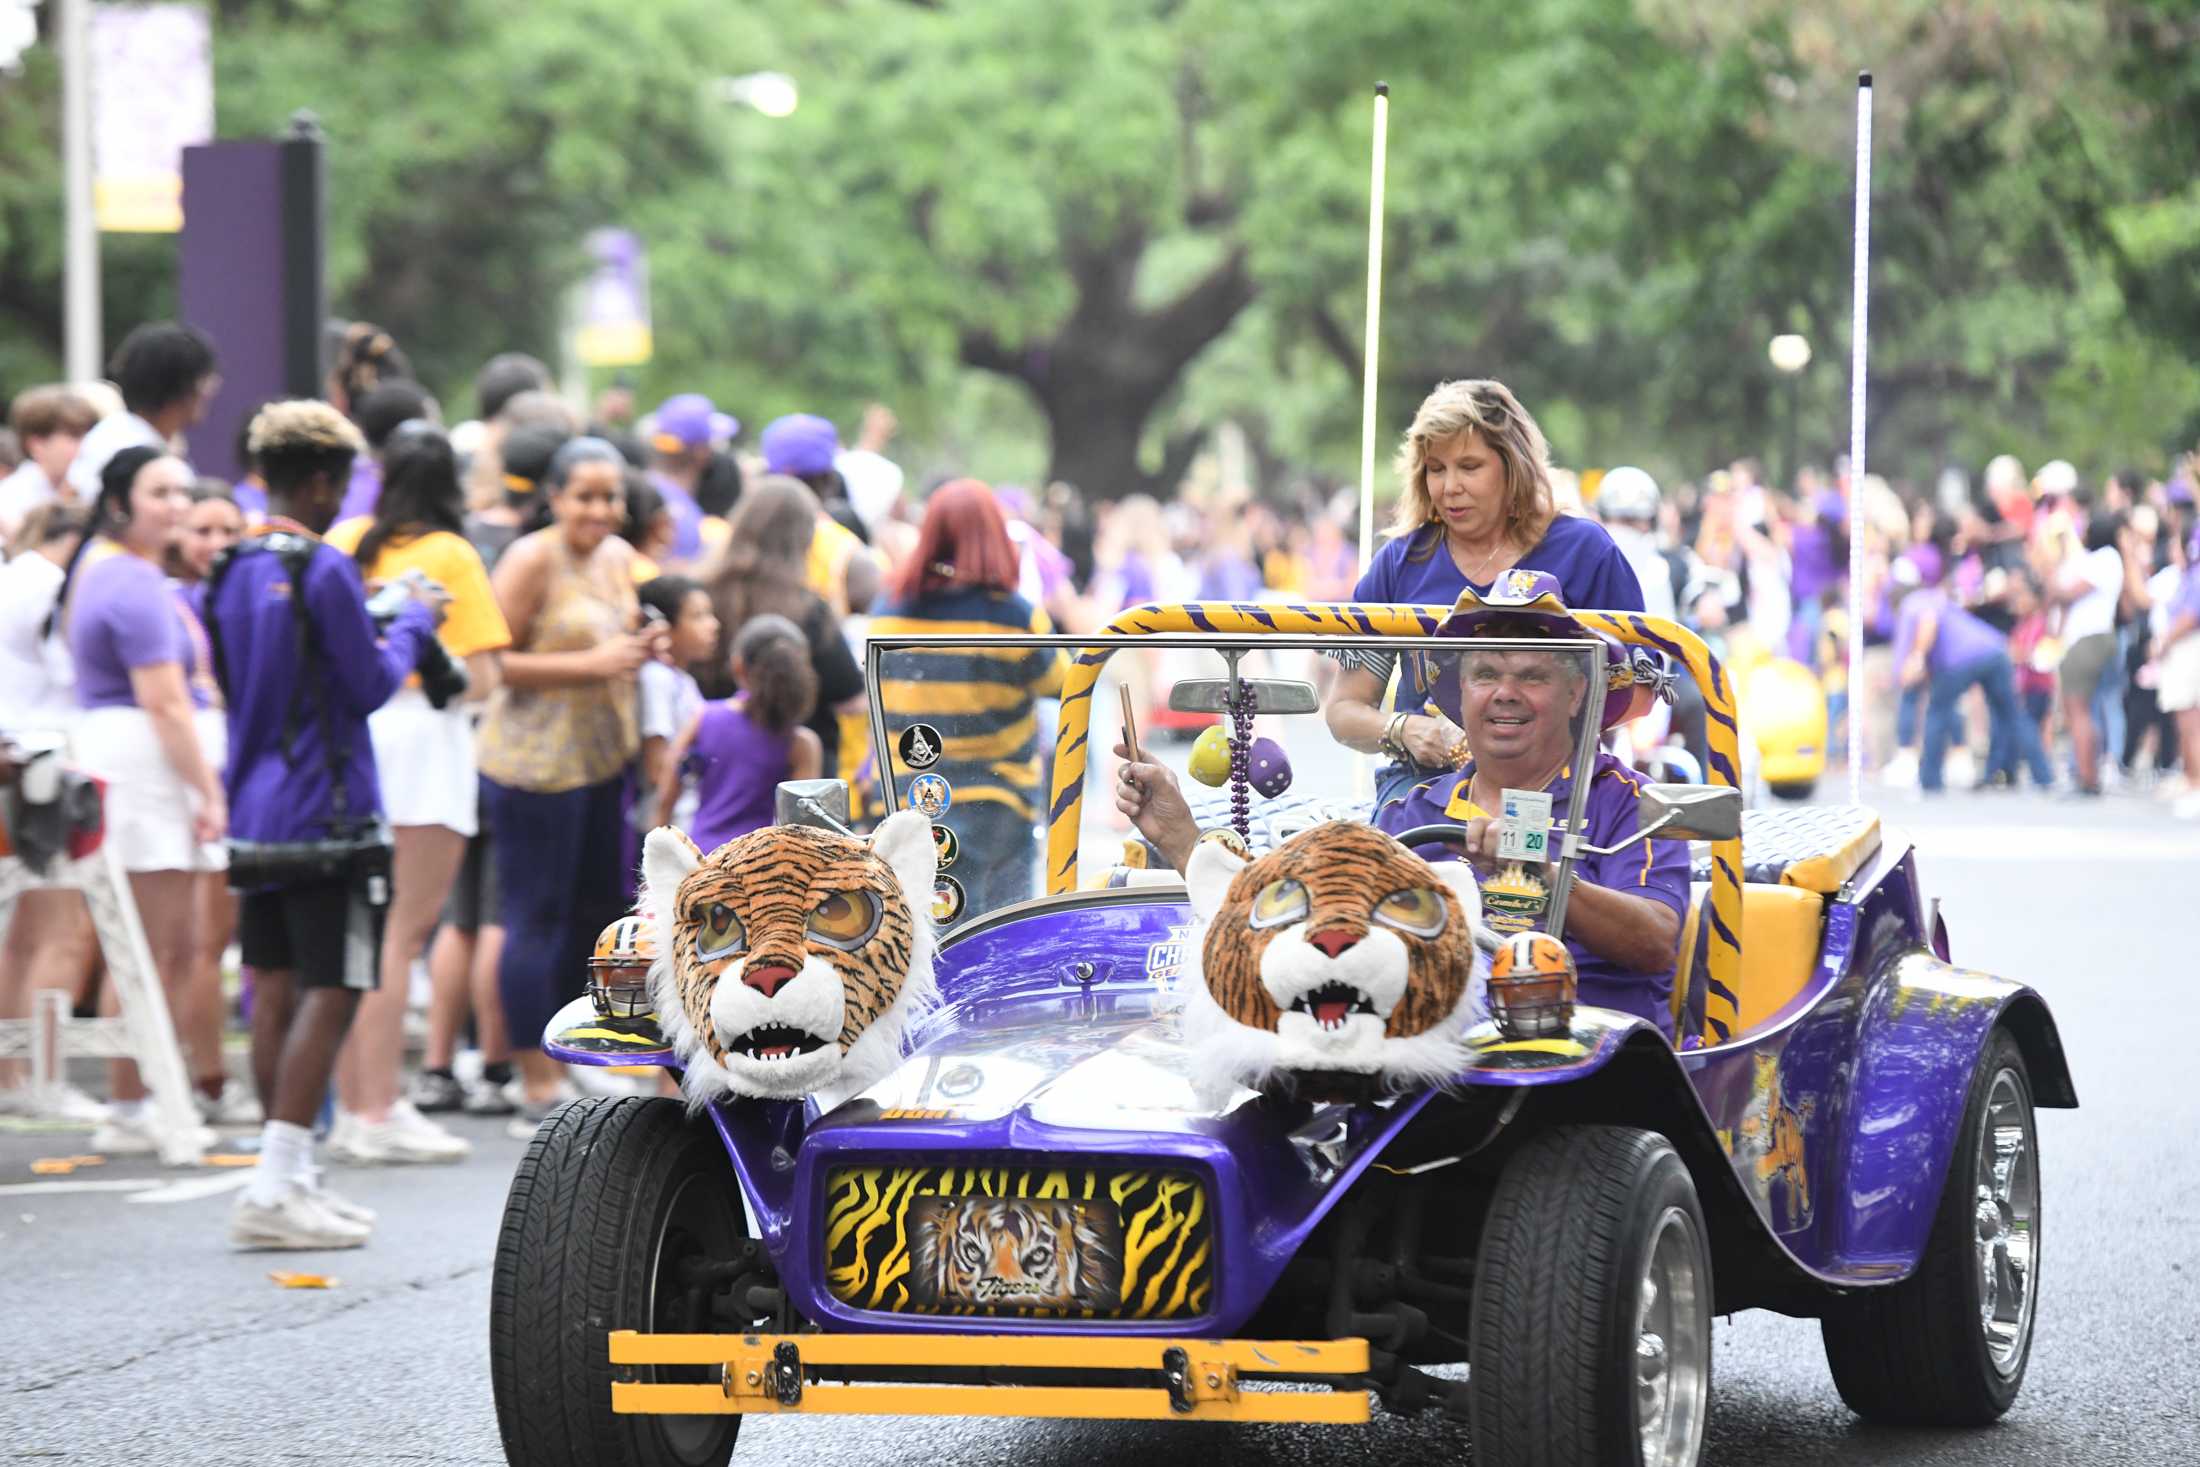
(1723, 953)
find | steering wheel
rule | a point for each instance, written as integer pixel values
(1435, 833)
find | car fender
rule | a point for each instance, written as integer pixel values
(1925, 1024)
(1630, 1076)
(579, 1035)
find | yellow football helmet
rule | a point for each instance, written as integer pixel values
(618, 969)
(1532, 986)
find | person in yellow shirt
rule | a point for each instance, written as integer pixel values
(424, 758)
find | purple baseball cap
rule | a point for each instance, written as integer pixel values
(690, 421)
(799, 444)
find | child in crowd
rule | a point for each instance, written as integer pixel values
(670, 699)
(739, 748)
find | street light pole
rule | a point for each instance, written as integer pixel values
(80, 248)
(1792, 449)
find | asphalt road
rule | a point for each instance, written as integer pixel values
(133, 1335)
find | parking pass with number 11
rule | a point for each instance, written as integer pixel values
(1524, 828)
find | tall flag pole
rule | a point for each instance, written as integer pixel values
(1374, 326)
(1859, 340)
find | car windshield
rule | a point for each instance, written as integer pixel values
(976, 731)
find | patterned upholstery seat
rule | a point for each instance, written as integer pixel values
(1815, 847)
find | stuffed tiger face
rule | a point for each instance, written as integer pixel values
(790, 959)
(1340, 951)
(1013, 1252)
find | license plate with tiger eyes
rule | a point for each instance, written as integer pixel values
(1014, 1253)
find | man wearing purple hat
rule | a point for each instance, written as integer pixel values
(1517, 708)
(686, 428)
(804, 446)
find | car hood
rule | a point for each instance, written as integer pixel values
(1114, 1063)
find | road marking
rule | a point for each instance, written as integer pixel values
(192, 1189)
(52, 1189)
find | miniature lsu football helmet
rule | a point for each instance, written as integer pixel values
(1532, 986)
(618, 969)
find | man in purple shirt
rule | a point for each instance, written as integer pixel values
(1623, 912)
(1943, 649)
(687, 427)
(302, 667)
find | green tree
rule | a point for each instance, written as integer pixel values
(1107, 226)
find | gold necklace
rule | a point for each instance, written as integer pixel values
(1482, 571)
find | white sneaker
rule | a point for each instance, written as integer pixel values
(343, 1207)
(57, 1102)
(126, 1131)
(301, 1221)
(63, 1101)
(236, 1107)
(1900, 771)
(405, 1138)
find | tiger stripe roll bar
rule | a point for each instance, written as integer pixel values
(1200, 1380)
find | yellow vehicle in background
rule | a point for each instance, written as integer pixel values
(1782, 711)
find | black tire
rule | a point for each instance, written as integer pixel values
(1793, 789)
(604, 1183)
(1914, 1353)
(1558, 1294)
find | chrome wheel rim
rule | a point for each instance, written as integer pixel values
(1672, 1344)
(2005, 1223)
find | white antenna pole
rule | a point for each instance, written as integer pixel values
(1858, 342)
(1374, 325)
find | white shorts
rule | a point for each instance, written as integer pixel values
(424, 761)
(149, 807)
(2179, 686)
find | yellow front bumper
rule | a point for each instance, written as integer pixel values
(1207, 1380)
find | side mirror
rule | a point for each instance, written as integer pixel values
(819, 803)
(1692, 811)
(1270, 695)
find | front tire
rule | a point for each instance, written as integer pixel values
(1591, 1327)
(1948, 1346)
(611, 1197)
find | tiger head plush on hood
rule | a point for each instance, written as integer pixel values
(791, 959)
(1340, 951)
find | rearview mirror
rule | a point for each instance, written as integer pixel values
(1693, 811)
(819, 803)
(1270, 695)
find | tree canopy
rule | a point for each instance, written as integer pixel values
(1072, 239)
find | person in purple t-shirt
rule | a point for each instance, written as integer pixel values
(1944, 650)
(139, 730)
(739, 749)
(1476, 503)
(686, 429)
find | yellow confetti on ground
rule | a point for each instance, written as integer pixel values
(303, 1280)
(228, 1158)
(53, 1166)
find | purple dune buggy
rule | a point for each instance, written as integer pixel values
(1038, 1214)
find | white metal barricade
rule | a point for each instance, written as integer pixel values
(141, 1030)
